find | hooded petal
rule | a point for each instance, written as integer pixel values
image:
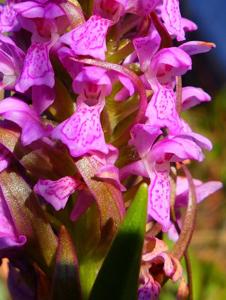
(89, 38)
(56, 192)
(169, 63)
(92, 80)
(17, 111)
(37, 69)
(143, 137)
(146, 47)
(174, 149)
(82, 132)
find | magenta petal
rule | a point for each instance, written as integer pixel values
(82, 132)
(146, 47)
(192, 96)
(90, 79)
(200, 140)
(169, 63)
(89, 38)
(110, 9)
(32, 10)
(37, 68)
(161, 110)
(172, 18)
(72, 67)
(159, 198)
(11, 62)
(188, 25)
(29, 9)
(8, 18)
(182, 184)
(84, 200)
(135, 168)
(143, 137)
(110, 158)
(141, 7)
(203, 190)
(56, 192)
(17, 111)
(126, 82)
(150, 290)
(176, 149)
(197, 47)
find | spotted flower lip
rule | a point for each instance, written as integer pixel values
(84, 39)
(37, 69)
(56, 192)
(82, 132)
(172, 18)
(156, 158)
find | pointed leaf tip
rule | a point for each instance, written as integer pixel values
(66, 279)
(119, 274)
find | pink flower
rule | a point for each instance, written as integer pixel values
(89, 38)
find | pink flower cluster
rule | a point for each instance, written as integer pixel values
(127, 49)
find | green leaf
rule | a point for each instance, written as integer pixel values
(119, 274)
(66, 278)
